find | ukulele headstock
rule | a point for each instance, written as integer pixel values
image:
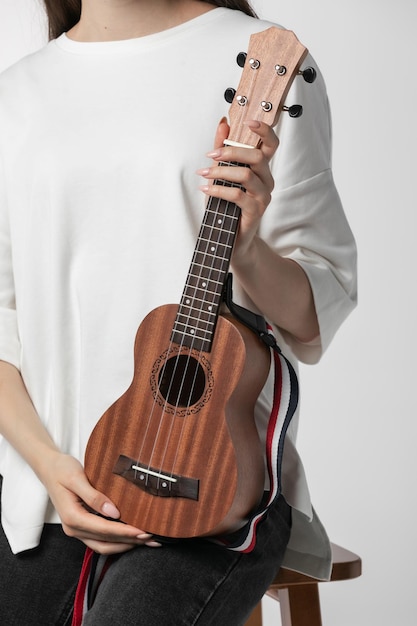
(272, 62)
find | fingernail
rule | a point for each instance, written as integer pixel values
(109, 510)
(203, 172)
(144, 536)
(252, 123)
(154, 544)
(204, 188)
(214, 154)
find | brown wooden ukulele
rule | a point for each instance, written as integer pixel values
(179, 453)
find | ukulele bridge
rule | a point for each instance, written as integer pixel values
(154, 481)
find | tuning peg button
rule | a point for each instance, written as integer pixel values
(309, 74)
(241, 59)
(229, 94)
(296, 110)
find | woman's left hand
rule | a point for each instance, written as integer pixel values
(256, 179)
(261, 271)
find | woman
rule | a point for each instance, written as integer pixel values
(102, 131)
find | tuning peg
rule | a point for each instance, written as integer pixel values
(255, 64)
(229, 94)
(280, 70)
(309, 74)
(296, 110)
(266, 106)
(241, 59)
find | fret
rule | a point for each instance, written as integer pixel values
(205, 282)
(193, 293)
(218, 221)
(194, 305)
(199, 275)
(214, 248)
(218, 233)
(209, 258)
(197, 339)
(192, 302)
(206, 292)
(199, 271)
(191, 331)
(203, 317)
(203, 345)
(207, 296)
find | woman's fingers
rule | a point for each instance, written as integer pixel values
(76, 482)
(105, 535)
(222, 133)
(268, 138)
(246, 174)
(77, 503)
(255, 177)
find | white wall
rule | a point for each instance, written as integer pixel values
(359, 403)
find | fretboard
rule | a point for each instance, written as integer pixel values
(202, 296)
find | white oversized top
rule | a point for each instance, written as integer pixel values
(99, 214)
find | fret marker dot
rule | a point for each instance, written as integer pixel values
(192, 331)
(212, 248)
(204, 284)
(210, 308)
(187, 301)
(220, 221)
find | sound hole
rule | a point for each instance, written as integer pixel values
(182, 381)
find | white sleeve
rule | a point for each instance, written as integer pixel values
(9, 336)
(306, 221)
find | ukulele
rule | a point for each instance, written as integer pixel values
(178, 452)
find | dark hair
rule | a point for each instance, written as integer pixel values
(238, 5)
(64, 14)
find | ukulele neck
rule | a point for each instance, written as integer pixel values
(198, 311)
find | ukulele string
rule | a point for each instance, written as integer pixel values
(193, 297)
(217, 227)
(164, 409)
(155, 406)
(217, 219)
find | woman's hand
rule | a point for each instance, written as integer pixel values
(77, 502)
(256, 179)
(63, 476)
(262, 272)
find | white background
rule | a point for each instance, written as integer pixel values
(357, 434)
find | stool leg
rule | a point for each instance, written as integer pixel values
(300, 605)
(256, 616)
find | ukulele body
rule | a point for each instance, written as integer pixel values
(179, 452)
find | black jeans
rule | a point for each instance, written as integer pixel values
(37, 587)
(189, 583)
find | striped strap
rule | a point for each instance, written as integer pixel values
(92, 573)
(285, 403)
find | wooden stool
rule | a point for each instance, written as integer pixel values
(298, 594)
